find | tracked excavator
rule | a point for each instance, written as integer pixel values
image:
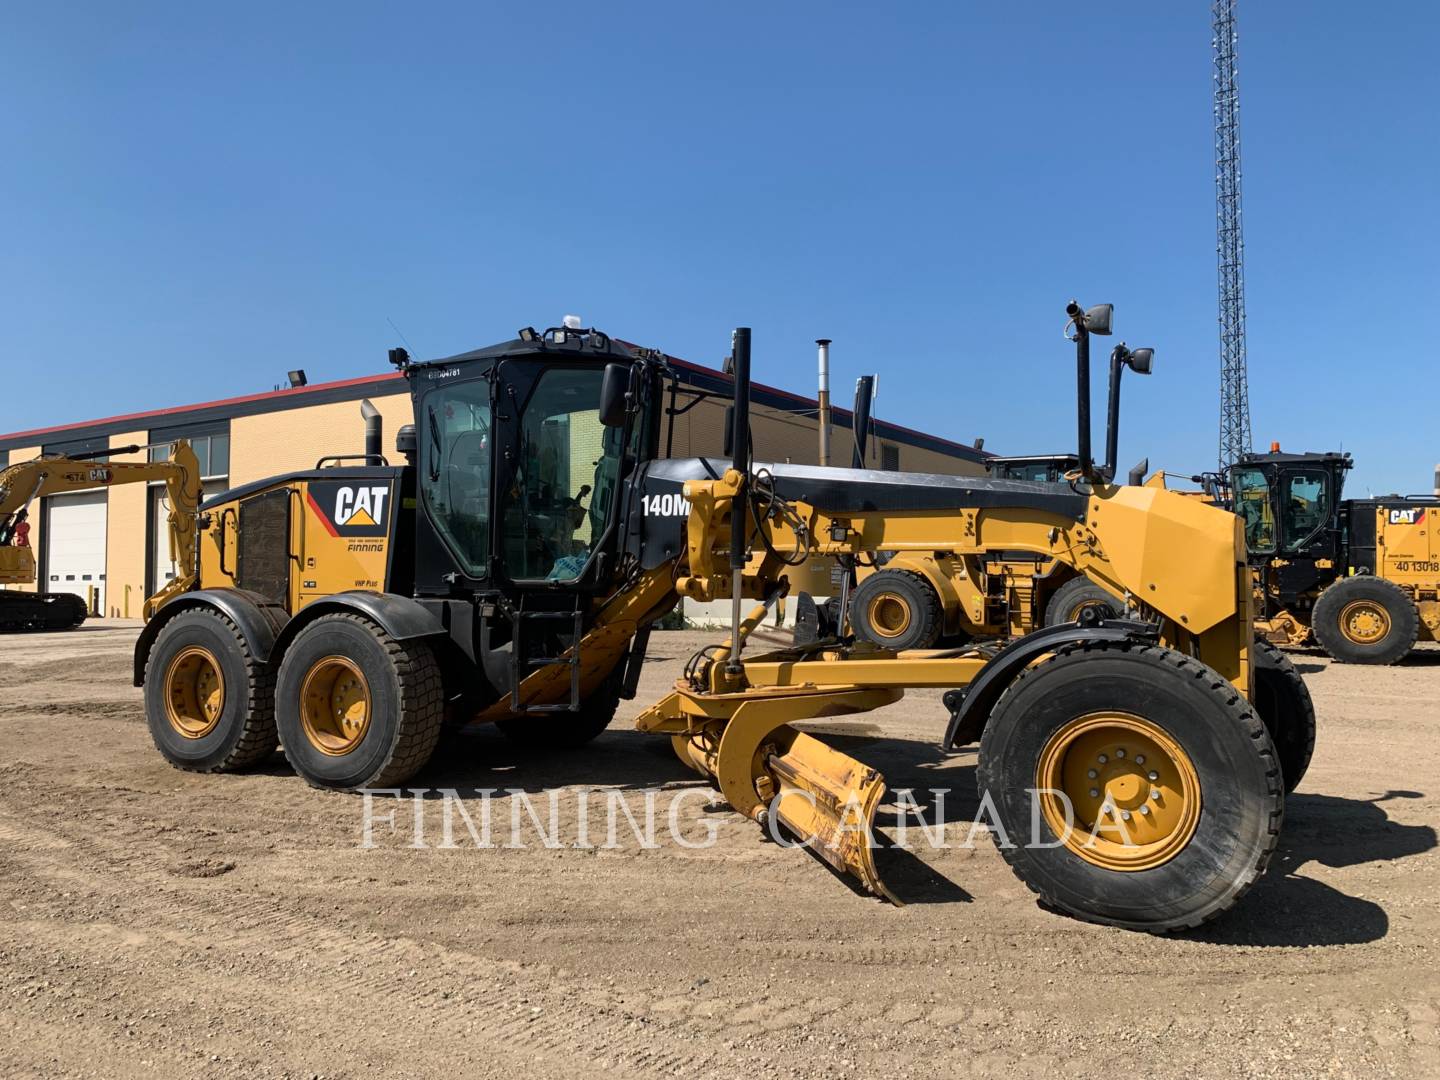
(56, 474)
(349, 613)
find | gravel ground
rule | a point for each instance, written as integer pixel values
(158, 923)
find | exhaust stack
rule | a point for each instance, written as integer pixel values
(823, 345)
(374, 433)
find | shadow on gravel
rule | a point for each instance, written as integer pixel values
(1421, 658)
(620, 758)
(1287, 909)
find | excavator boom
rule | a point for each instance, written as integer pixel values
(58, 474)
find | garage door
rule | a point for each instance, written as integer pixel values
(74, 538)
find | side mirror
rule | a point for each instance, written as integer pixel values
(614, 390)
(1099, 317)
(1141, 361)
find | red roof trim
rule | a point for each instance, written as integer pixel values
(299, 391)
(340, 384)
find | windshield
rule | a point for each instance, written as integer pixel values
(558, 505)
(1306, 506)
(1252, 503)
(455, 470)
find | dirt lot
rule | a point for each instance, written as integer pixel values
(157, 923)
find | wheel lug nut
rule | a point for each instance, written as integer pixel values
(1154, 794)
(1145, 809)
(1153, 775)
(1139, 759)
(1120, 753)
(1094, 793)
(1125, 814)
(1103, 759)
(1092, 774)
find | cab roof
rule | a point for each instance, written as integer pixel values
(556, 341)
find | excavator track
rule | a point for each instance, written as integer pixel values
(40, 611)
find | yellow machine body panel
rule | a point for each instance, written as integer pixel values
(17, 565)
(1406, 545)
(333, 534)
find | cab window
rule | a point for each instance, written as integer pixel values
(558, 504)
(1252, 503)
(1306, 507)
(454, 437)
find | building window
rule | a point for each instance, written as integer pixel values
(213, 450)
(79, 446)
(889, 457)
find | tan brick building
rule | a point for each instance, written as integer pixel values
(110, 545)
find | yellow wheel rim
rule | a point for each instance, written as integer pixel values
(1364, 622)
(194, 692)
(1134, 793)
(335, 705)
(889, 614)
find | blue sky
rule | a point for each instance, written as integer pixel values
(197, 199)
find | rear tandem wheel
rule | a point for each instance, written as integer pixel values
(209, 704)
(355, 707)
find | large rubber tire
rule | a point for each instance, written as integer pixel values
(1376, 594)
(897, 610)
(243, 734)
(1079, 593)
(1241, 800)
(404, 696)
(1283, 702)
(567, 730)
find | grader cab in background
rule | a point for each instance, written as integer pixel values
(1359, 576)
(55, 474)
(347, 612)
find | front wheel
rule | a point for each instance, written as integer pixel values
(1366, 620)
(1133, 786)
(1285, 708)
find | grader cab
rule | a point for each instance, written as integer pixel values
(512, 568)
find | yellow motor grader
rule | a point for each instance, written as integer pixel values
(980, 589)
(347, 613)
(55, 474)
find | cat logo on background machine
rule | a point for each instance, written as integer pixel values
(1409, 516)
(351, 508)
